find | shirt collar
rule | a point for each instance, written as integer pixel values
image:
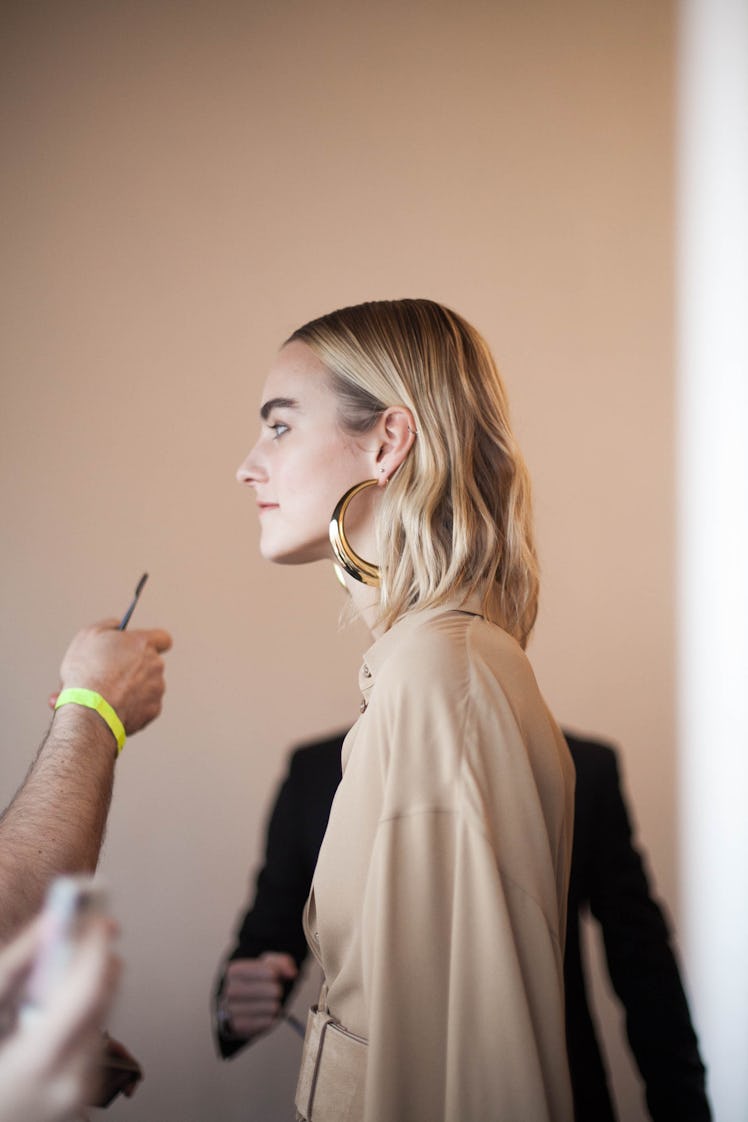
(379, 652)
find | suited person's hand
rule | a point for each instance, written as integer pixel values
(253, 992)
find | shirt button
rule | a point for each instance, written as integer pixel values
(366, 671)
(362, 706)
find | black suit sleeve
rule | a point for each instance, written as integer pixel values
(642, 963)
(296, 827)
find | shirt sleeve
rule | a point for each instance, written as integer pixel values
(462, 981)
(441, 885)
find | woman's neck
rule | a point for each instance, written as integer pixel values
(366, 604)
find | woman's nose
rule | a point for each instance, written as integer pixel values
(251, 470)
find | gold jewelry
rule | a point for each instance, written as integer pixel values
(347, 557)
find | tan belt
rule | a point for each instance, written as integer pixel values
(333, 1069)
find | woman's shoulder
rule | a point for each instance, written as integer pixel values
(453, 700)
(446, 648)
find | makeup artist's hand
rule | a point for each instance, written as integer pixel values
(48, 1065)
(125, 667)
(119, 1075)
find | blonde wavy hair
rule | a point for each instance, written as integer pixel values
(456, 517)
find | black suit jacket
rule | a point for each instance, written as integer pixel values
(607, 878)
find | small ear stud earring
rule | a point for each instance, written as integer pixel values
(413, 432)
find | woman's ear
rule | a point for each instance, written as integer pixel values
(395, 432)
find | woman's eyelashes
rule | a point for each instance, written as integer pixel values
(278, 428)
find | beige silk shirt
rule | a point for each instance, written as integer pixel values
(438, 903)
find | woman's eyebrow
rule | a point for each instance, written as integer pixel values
(277, 403)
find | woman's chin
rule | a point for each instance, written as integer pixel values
(292, 555)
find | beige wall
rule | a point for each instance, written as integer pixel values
(185, 184)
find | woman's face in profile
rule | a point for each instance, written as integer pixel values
(303, 461)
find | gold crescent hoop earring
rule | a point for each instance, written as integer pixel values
(347, 557)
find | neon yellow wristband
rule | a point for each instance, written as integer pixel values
(93, 700)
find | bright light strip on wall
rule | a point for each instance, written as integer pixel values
(713, 533)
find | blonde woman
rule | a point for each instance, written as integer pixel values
(437, 909)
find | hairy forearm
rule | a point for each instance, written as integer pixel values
(55, 824)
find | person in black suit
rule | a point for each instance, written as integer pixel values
(608, 879)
